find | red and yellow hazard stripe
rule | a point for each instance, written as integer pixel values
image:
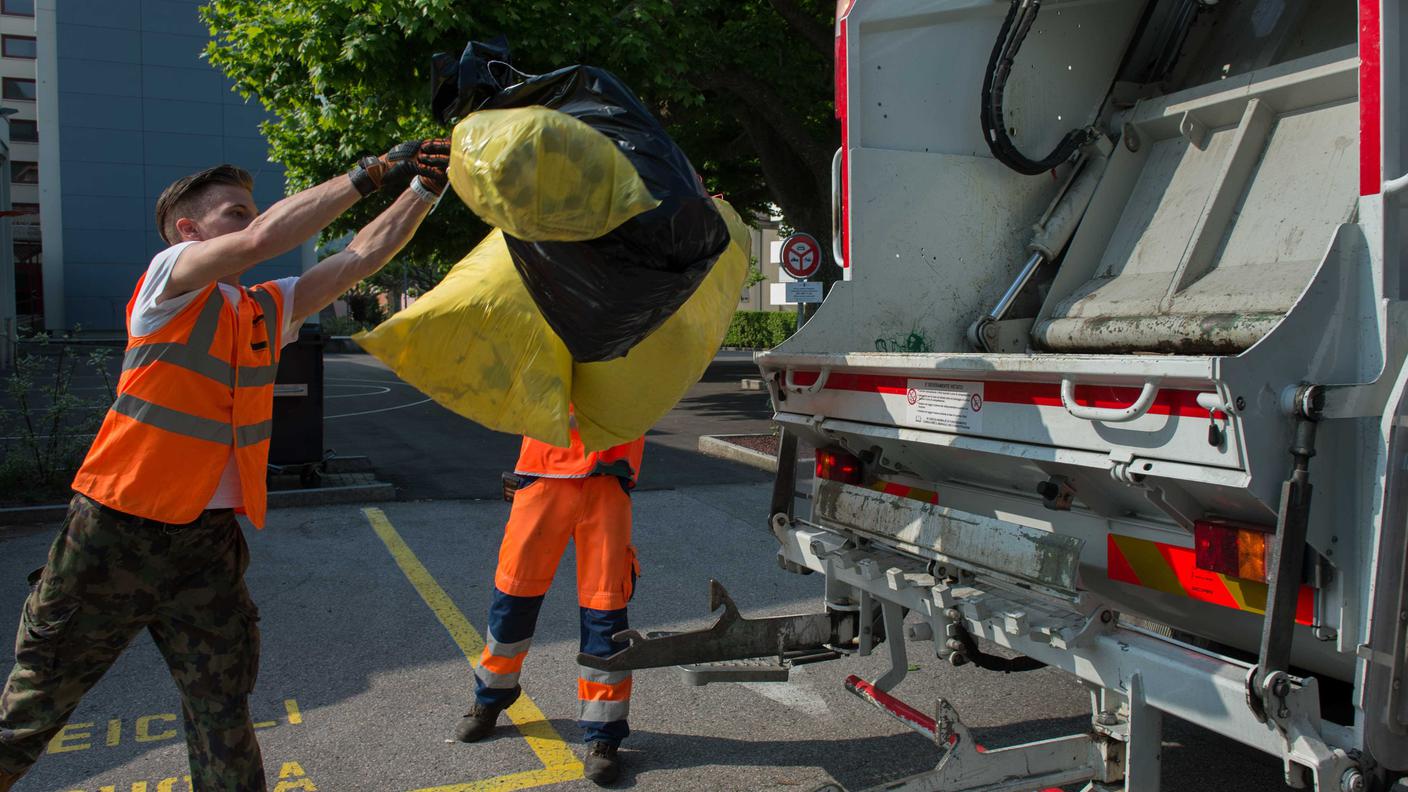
(913, 493)
(1172, 570)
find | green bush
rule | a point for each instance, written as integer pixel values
(760, 329)
(341, 325)
(48, 426)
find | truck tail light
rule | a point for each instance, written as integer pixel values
(1231, 549)
(840, 177)
(835, 465)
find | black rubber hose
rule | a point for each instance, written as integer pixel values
(1015, 26)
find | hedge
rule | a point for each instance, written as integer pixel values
(760, 329)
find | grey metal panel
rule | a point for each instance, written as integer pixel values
(251, 154)
(180, 51)
(157, 176)
(99, 111)
(89, 144)
(83, 246)
(170, 115)
(186, 84)
(173, 16)
(242, 120)
(108, 280)
(903, 47)
(99, 13)
(96, 313)
(105, 178)
(107, 213)
(99, 43)
(1218, 235)
(79, 72)
(196, 151)
(1031, 555)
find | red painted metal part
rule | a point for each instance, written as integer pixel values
(906, 714)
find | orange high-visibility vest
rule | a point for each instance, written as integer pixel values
(537, 458)
(188, 393)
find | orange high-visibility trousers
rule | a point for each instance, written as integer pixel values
(594, 512)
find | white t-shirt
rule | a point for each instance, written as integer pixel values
(149, 316)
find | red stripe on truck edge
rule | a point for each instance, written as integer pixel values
(1168, 401)
(1370, 100)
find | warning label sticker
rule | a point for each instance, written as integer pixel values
(945, 404)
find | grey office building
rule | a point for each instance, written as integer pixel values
(126, 104)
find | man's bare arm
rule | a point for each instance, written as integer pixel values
(374, 245)
(281, 228)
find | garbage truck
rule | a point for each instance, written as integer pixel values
(1114, 380)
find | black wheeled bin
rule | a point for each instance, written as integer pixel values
(298, 402)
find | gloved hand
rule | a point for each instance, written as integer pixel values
(392, 172)
(429, 159)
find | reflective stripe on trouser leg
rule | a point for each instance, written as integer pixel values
(510, 633)
(603, 697)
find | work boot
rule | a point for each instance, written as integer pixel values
(602, 766)
(479, 721)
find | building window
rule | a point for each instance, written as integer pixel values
(24, 172)
(17, 7)
(18, 88)
(19, 47)
(24, 131)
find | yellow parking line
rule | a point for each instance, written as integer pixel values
(559, 763)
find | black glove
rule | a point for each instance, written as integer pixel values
(429, 159)
(367, 177)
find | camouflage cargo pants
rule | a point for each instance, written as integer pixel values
(109, 576)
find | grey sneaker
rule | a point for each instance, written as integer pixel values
(602, 765)
(479, 721)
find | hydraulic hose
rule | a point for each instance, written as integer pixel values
(1021, 15)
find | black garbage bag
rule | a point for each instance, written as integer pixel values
(601, 296)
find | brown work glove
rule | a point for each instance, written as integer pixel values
(392, 172)
(429, 159)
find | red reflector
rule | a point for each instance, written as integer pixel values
(834, 465)
(1229, 549)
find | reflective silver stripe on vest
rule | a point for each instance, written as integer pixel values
(251, 434)
(171, 420)
(192, 354)
(259, 376)
(183, 356)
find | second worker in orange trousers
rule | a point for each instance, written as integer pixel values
(564, 494)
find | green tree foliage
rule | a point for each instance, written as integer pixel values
(744, 86)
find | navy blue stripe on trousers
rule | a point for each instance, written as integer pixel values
(511, 624)
(604, 720)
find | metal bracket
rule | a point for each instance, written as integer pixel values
(732, 637)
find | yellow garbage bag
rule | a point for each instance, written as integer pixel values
(618, 400)
(543, 176)
(478, 345)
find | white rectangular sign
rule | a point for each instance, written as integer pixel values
(945, 404)
(804, 292)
